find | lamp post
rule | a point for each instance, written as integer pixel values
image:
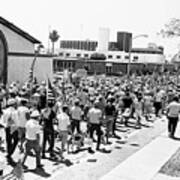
(130, 49)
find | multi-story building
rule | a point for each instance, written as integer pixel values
(117, 54)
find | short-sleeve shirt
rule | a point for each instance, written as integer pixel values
(76, 113)
(94, 115)
(63, 121)
(22, 112)
(10, 117)
(32, 129)
(173, 109)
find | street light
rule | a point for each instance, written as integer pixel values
(130, 49)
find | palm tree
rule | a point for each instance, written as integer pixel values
(53, 36)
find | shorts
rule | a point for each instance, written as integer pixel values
(21, 132)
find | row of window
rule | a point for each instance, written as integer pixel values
(109, 56)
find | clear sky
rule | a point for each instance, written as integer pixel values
(80, 19)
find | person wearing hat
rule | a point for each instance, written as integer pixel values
(94, 119)
(33, 130)
(10, 121)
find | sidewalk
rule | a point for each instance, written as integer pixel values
(92, 167)
(104, 163)
(145, 164)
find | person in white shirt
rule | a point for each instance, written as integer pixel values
(23, 116)
(33, 130)
(94, 118)
(63, 126)
(158, 102)
(76, 116)
(173, 110)
(10, 121)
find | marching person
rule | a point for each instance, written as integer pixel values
(23, 117)
(173, 110)
(94, 118)
(128, 104)
(76, 116)
(110, 112)
(10, 120)
(63, 126)
(47, 120)
(33, 130)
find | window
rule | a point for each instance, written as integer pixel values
(118, 57)
(61, 54)
(86, 55)
(78, 55)
(126, 57)
(110, 56)
(67, 54)
(136, 57)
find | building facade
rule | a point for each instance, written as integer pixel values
(17, 52)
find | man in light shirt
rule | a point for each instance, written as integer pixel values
(23, 116)
(173, 110)
(94, 118)
(33, 130)
(10, 121)
(76, 116)
(63, 126)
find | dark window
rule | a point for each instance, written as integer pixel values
(61, 54)
(118, 57)
(86, 55)
(110, 56)
(67, 54)
(126, 57)
(78, 55)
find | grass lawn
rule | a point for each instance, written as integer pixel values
(172, 166)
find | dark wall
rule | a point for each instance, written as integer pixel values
(124, 41)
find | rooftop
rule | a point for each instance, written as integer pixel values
(18, 31)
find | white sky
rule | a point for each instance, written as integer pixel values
(80, 19)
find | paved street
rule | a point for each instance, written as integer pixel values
(83, 165)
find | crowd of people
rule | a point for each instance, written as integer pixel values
(29, 110)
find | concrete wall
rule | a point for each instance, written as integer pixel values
(16, 43)
(19, 67)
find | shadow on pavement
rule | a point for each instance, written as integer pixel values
(66, 162)
(176, 138)
(92, 160)
(121, 142)
(134, 144)
(104, 151)
(39, 171)
(118, 147)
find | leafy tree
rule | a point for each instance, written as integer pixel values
(53, 36)
(171, 29)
